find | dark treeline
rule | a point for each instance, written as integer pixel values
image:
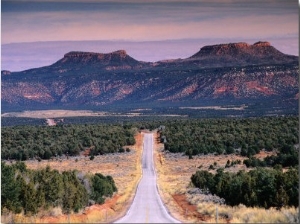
(33, 190)
(259, 187)
(286, 157)
(25, 142)
(245, 136)
(156, 117)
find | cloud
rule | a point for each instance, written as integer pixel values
(173, 23)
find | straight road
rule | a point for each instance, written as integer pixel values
(147, 206)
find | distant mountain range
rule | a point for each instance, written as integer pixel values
(219, 74)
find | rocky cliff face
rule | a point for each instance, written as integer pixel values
(219, 73)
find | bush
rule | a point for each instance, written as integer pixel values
(259, 187)
(31, 190)
(102, 187)
(121, 150)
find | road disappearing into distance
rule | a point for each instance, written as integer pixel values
(147, 206)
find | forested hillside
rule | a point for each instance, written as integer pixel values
(33, 190)
(42, 142)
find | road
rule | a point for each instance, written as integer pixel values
(147, 206)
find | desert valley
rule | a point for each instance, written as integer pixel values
(224, 123)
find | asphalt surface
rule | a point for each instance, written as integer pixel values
(147, 206)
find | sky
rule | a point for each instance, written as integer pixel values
(147, 30)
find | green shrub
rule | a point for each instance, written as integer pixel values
(259, 187)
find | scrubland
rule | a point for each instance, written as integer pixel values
(174, 171)
(125, 168)
(173, 177)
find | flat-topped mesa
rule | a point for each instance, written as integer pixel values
(238, 50)
(221, 49)
(237, 54)
(80, 54)
(116, 58)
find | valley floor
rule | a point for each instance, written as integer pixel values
(173, 178)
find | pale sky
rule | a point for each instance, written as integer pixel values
(138, 21)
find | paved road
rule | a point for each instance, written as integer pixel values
(147, 206)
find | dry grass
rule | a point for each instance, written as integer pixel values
(53, 113)
(173, 177)
(125, 169)
(50, 114)
(243, 214)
